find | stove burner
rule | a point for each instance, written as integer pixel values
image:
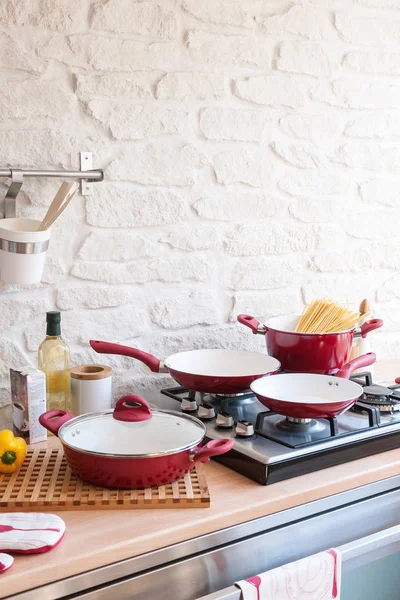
(377, 390)
(386, 400)
(299, 426)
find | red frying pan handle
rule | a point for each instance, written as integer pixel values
(151, 361)
(132, 408)
(370, 326)
(360, 361)
(213, 448)
(53, 419)
(252, 323)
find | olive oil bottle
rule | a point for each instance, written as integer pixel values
(55, 362)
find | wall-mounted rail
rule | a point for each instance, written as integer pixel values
(87, 176)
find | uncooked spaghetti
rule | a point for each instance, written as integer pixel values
(326, 316)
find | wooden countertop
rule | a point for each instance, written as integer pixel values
(97, 538)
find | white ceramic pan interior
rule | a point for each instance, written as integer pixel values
(307, 388)
(222, 363)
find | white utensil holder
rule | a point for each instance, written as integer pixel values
(91, 388)
(22, 250)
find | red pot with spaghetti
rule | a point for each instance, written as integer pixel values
(323, 353)
(132, 446)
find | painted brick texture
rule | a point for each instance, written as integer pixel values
(252, 160)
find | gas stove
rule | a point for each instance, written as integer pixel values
(270, 448)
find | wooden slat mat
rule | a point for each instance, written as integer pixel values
(45, 483)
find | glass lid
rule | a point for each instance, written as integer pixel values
(132, 430)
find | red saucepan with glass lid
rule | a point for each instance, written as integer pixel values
(309, 395)
(209, 371)
(323, 353)
(132, 446)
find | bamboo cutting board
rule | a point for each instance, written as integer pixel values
(46, 483)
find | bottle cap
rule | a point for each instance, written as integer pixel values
(53, 316)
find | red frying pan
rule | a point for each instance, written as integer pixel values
(209, 371)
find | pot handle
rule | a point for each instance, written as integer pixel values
(360, 361)
(213, 448)
(368, 326)
(151, 361)
(53, 419)
(132, 408)
(252, 323)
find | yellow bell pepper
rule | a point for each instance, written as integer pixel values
(12, 451)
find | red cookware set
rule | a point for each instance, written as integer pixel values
(133, 446)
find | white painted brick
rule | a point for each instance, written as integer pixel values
(15, 55)
(328, 236)
(305, 21)
(57, 14)
(191, 86)
(303, 57)
(373, 256)
(264, 273)
(237, 207)
(44, 147)
(304, 155)
(55, 269)
(230, 338)
(375, 224)
(370, 31)
(390, 289)
(11, 357)
(313, 183)
(381, 191)
(114, 324)
(124, 16)
(384, 63)
(192, 237)
(90, 296)
(135, 86)
(111, 53)
(387, 345)
(234, 124)
(116, 246)
(131, 207)
(157, 165)
(252, 240)
(380, 3)
(5, 400)
(344, 287)
(229, 49)
(391, 318)
(314, 127)
(375, 126)
(271, 90)
(18, 308)
(220, 13)
(35, 99)
(137, 122)
(243, 165)
(266, 305)
(179, 311)
(357, 94)
(375, 157)
(168, 270)
(326, 209)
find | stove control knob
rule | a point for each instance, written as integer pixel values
(244, 429)
(206, 412)
(224, 420)
(188, 405)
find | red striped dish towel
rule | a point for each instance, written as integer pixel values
(316, 577)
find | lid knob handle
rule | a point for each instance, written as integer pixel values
(132, 408)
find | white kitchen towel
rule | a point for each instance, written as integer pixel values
(30, 533)
(6, 562)
(316, 577)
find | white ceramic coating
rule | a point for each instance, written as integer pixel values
(166, 432)
(222, 363)
(289, 322)
(307, 388)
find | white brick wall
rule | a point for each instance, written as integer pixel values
(252, 159)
